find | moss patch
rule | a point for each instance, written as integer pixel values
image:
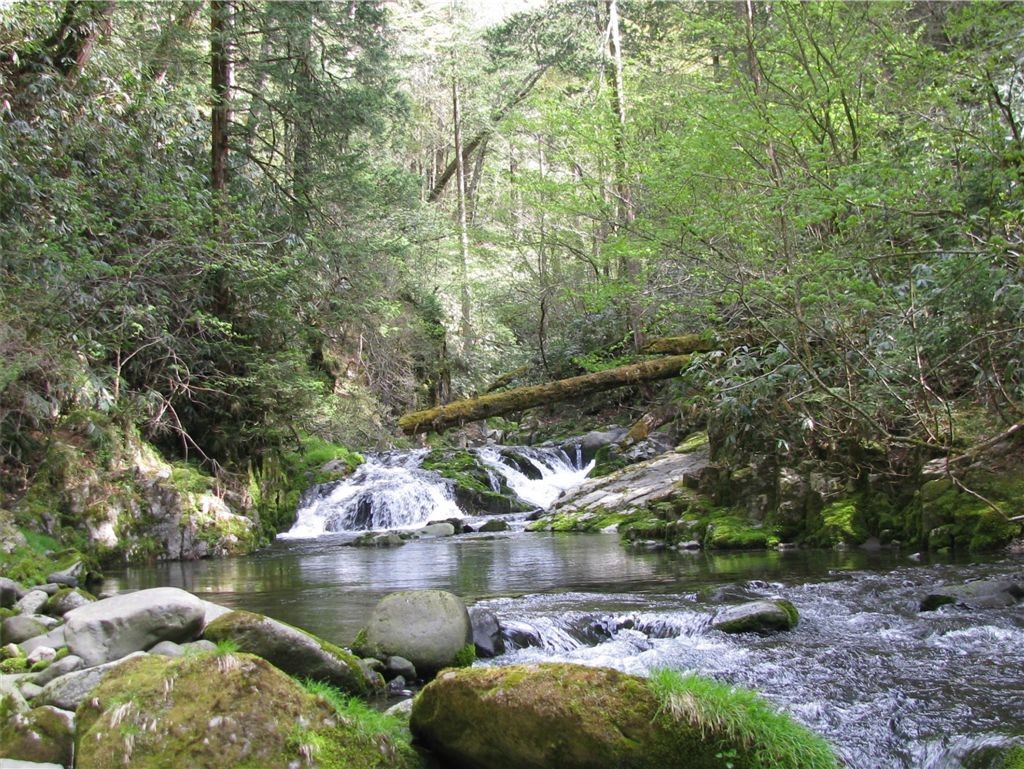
(473, 490)
(212, 711)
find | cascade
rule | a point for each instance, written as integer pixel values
(391, 490)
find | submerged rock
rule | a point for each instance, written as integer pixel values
(757, 617)
(212, 711)
(985, 594)
(557, 716)
(109, 629)
(430, 628)
(294, 651)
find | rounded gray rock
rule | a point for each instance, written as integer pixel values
(427, 627)
(757, 617)
(114, 627)
(31, 602)
(20, 628)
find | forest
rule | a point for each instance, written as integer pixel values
(737, 285)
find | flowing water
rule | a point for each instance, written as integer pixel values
(889, 686)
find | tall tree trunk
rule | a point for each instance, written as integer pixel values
(466, 330)
(302, 158)
(221, 80)
(625, 212)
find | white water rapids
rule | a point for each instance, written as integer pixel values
(392, 491)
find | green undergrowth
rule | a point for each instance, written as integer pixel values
(766, 738)
(278, 482)
(367, 720)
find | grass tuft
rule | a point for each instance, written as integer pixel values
(766, 738)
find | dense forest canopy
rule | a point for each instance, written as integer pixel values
(236, 223)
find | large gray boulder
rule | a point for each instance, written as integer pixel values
(68, 691)
(294, 651)
(757, 617)
(983, 594)
(430, 628)
(114, 627)
(21, 627)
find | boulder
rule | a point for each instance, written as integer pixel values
(70, 576)
(399, 667)
(983, 594)
(167, 649)
(430, 628)
(54, 639)
(32, 602)
(226, 710)
(67, 691)
(494, 525)
(63, 601)
(44, 735)
(10, 592)
(487, 636)
(575, 717)
(20, 628)
(757, 617)
(30, 690)
(109, 629)
(442, 529)
(19, 764)
(294, 651)
(61, 667)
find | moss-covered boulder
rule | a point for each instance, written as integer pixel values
(430, 628)
(948, 515)
(472, 483)
(42, 735)
(982, 594)
(213, 711)
(757, 617)
(294, 651)
(574, 717)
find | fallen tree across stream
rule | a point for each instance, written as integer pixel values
(440, 418)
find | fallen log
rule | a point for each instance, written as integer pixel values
(440, 418)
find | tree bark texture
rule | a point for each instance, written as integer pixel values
(220, 84)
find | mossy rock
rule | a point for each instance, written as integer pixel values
(757, 617)
(63, 601)
(430, 628)
(42, 735)
(214, 711)
(294, 651)
(576, 717)
(725, 531)
(947, 516)
(473, 491)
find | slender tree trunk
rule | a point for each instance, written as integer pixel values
(466, 330)
(221, 80)
(625, 211)
(302, 159)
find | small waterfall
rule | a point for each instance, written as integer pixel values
(392, 491)
(388, 491)
(536, 475)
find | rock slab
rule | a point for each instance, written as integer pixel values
(115, 627)
(757, 617)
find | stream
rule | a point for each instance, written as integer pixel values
(887, 685)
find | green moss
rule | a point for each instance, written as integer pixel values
(32, 562)
(14, 665)
(753, 734)
(693, 442)
(944, 515)
(465, 656)
(1014, 758)
(728, 531)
